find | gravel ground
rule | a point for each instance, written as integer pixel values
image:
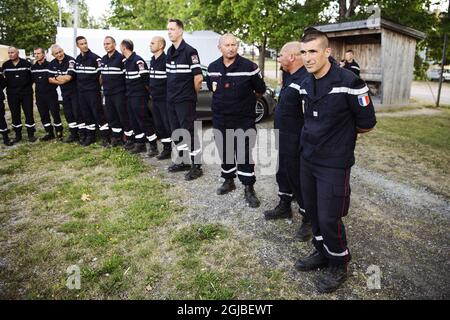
(399, 228)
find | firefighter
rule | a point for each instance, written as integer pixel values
(136, 81)
(3, 125)
(46, 97)
(184, 80)
(235, 82)
(19, 92)
(337, 107)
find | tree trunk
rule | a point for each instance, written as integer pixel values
(262, 55)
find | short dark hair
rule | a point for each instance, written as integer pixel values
(310, 34)
(349, 50)
(178, 22)
(128, 44)
(39, 48)
(79, 38)
(112, 39)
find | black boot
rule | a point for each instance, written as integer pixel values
(250, 197)
(105, 142)
(304, 233)
(31, 137)
(18, 137)
(281, 211)
(166, 153)
(312, 262)
(177, 167)
(73, 137)
(227, 186)
(194, 173)
(90, 139)
(334, 277)
(129, 145)
(153, 150)
(83, 137)
(49, 136)
(6, 140)
(116, 142)
(138, 148)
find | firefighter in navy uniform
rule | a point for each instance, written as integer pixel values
(349, 63)
(3, 125)
(61, 72)
(184, 81)
(288, 121)
(46, 96)
(235, 83)
(158, 93)
(19, 92)
(136, 81)
(337, 107)
(113, 82)
(87, 68)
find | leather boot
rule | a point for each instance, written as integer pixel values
(227, 186)
(281, 211)
(250, 197)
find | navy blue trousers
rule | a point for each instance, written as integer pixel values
(117, 115)
(326, 196)
(141, 119)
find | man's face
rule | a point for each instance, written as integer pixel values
(39, 55)
(349, 56)
(109, 45)
(229, 47)
(83, 45)
(314, 55)
(58, 53)
(13, 54)
(155, 45)
(284, 59)
(175, 32)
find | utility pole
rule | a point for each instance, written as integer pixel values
(60, 13)
(75, 26)
(442, 70)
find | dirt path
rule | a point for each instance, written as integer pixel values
(401, 229)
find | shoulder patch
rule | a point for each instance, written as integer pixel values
(195, 59)
(364, 99)
(140, 64)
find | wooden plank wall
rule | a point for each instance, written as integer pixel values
(397, 59)
(367, 50)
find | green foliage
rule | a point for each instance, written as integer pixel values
(27, 24)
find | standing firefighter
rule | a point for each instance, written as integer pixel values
(136, 81)
(235, 83)
(61, 72)
(46, 96)
(289, 123)
(19, 91)
(184, 80)
(87, 68)
(158, 92)
(113, 82)
(337, 108)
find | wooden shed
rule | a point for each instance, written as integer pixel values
(384, 51)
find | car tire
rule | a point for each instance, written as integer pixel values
(261, 110)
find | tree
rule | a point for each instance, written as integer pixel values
(84, 19)
(28, 24)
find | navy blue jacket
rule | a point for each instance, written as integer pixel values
(288, 118)
(87, 68)
(113, 74)
(181, 67)
(40, 75)
(158, 78)
(18, 77)
(353, 67)
(66, 67)
(334, 106)
(136, 76)
(234, 87)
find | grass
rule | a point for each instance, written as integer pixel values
(412, 148)
(113, 216)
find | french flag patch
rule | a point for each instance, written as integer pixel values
(363, 100)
